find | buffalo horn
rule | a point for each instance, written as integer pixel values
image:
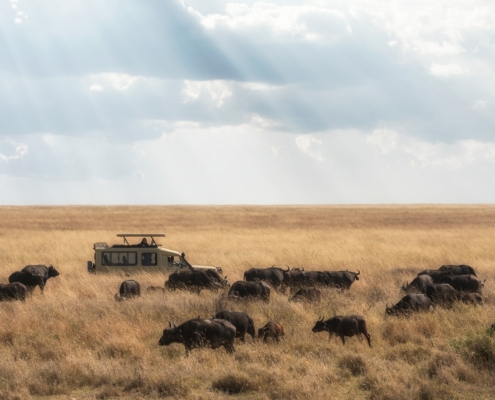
(288, 268)
(175, 326)
(358, 272)
(170, 325)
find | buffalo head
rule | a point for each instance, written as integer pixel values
(319, 326)
(170, 335)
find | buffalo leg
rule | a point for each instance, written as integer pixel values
(343, 340)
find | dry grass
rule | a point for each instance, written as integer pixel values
(77, 341)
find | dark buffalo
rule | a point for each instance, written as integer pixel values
(13, 291)
(194, 280)
(271, 329)
(253, 290)
(410, 302)
(418, 284)
(342, 279)
(470, 298)
(441, 293)
(128, 289)
(458, 269)
(201, 333)
(27, 279)
(349, 325)
(275, 277)
(309, 278)
(310, 294)
(242, 321)
(42, 270)
(215, 277)
(436, 275)
(463, 283)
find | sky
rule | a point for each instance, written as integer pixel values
(254, 102)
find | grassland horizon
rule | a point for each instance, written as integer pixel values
(76, 341)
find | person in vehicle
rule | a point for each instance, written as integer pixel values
(144, 243)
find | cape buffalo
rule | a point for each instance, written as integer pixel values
(215, 277)
(436, 274)
(349, 325)
(410, 302)
(441, 293)
(42, 270)
(309, 278)
(194, 280)
(29, 280)
(242, 289)
(307, 294)
(342, 279)
(271, 329)
(458, 269)
(273, 276)
(470, 298)
(463, 283)
(200, 333)
(418, 284)
(128, 289)
(242, 322)
(13, 291)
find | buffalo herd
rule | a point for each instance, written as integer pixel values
(430, 288)
(23, 282)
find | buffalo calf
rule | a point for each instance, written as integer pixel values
(128, 289)
(13, 291)
(271, 329)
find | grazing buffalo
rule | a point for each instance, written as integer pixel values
(303, 278)
(441, 293)
(13, 291)
(410, 302)
(349, 325)
(215, 277)
(29, 280)
(463, 283)
(253, 290)
(194, 280)
(470, 298)
(275, 277)
(242, 321)
(201, 333)
(310, 294)
(436, 275)
(418, 284)
(271, 329)
(128, 289)
(458, 269)
(342, 279)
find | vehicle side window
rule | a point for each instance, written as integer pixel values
(119, 259)
(148, 259)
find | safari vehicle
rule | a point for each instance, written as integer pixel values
(139, 257)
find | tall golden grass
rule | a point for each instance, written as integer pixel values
(77, 341)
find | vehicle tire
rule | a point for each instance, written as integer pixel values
(91, 267)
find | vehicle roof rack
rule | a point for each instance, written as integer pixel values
(151, 235)
(140, 234)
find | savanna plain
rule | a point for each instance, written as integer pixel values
(76, 341)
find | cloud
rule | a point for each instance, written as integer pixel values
(309, 145)
(383, 139)
(11, 150)
(447, 70)
(217, 90)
